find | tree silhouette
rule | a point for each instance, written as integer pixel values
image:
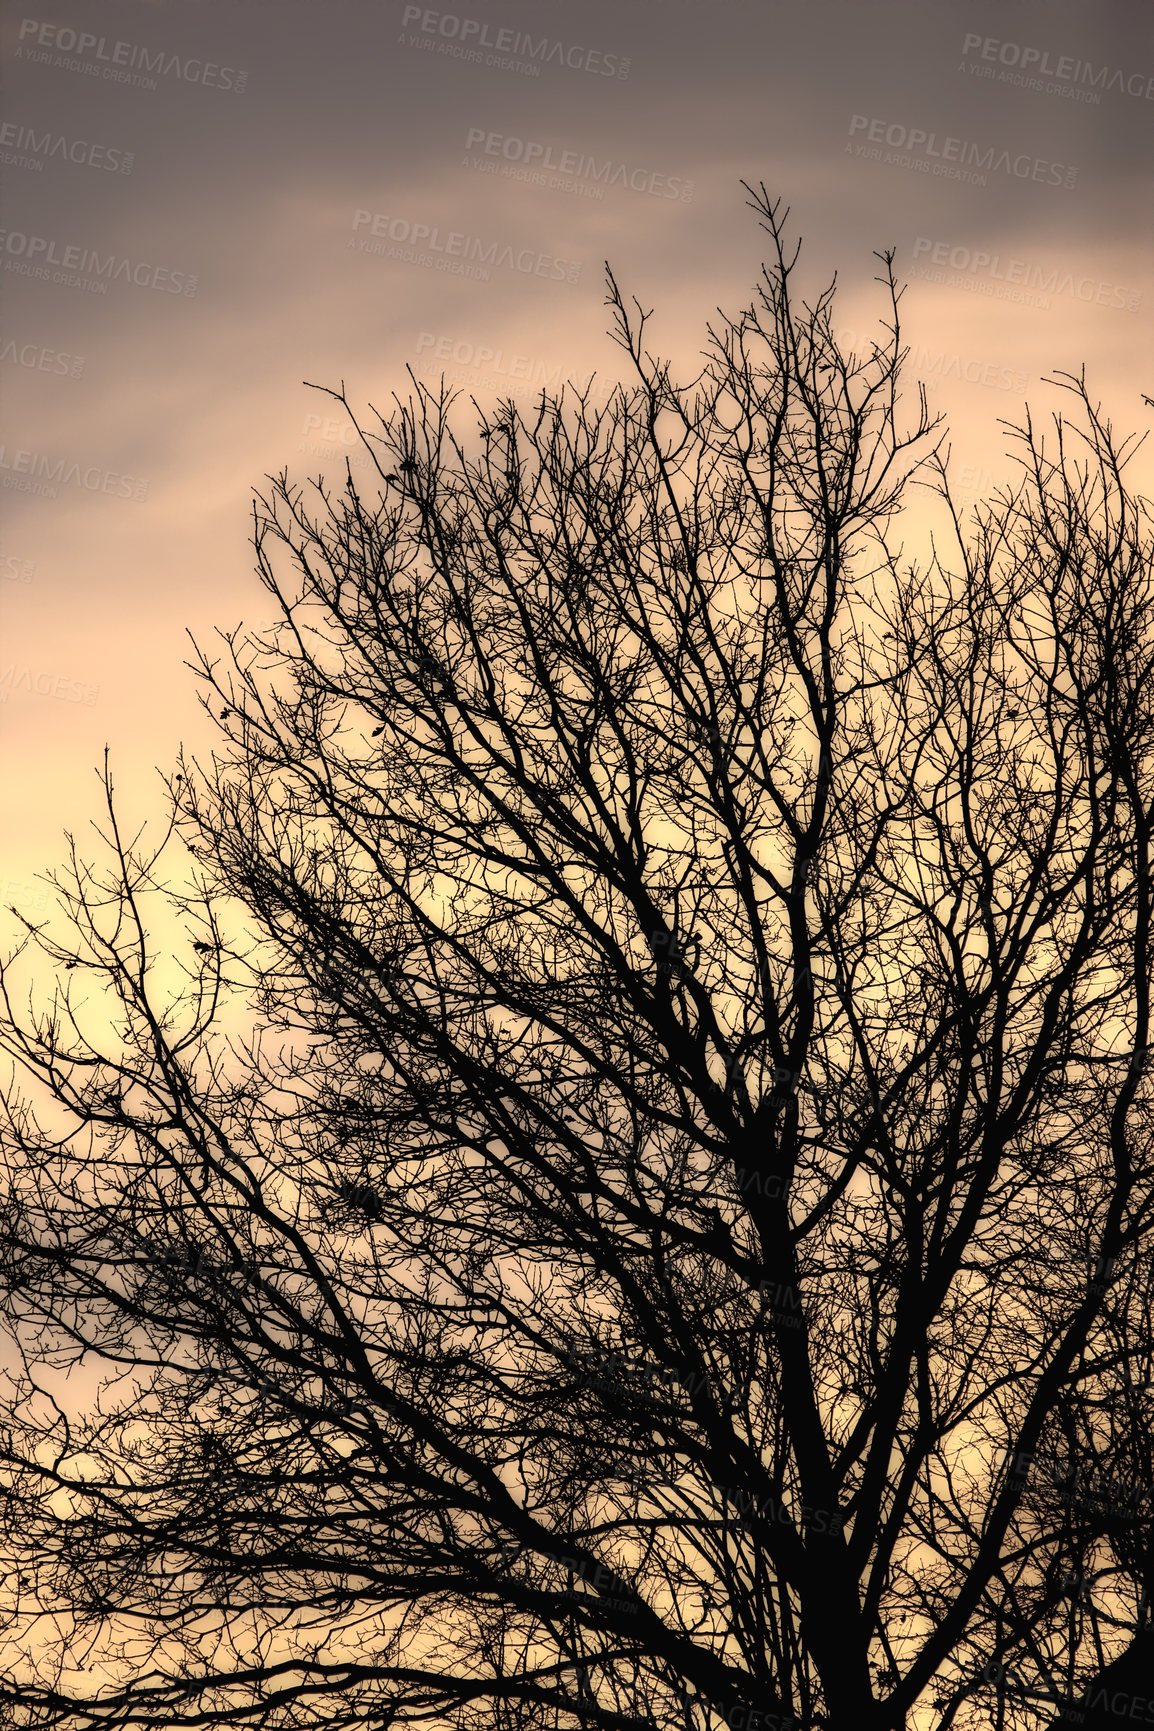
(670, 1246)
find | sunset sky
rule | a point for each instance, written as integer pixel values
(210, 201)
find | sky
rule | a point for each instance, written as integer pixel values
(208, 202)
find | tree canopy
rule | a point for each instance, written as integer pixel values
(636, 1212)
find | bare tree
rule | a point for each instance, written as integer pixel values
(679, 1210)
